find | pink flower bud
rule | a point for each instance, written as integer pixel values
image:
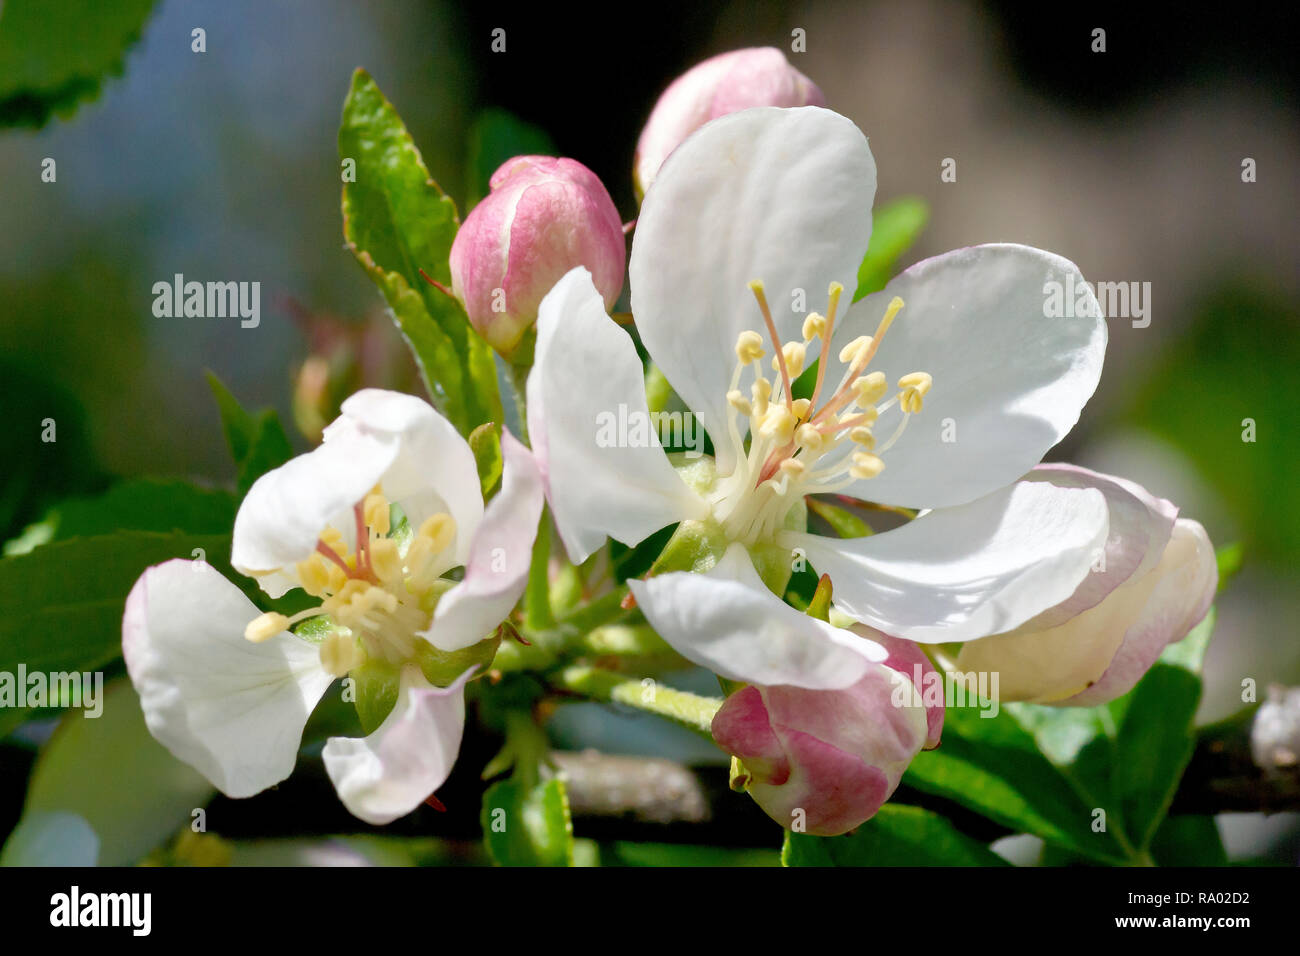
(824, 761)
(1149, 586)
(720, 85)
(543, 217)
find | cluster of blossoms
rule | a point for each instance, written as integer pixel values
(1065, 582)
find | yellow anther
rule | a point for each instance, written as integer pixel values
(386, 560)
(778, 423)
(814, 326)
(914, 388)
(339, 654)
(859, 346)
(866, 417)
(737, 400)
(866, 465)
(439, 530)
(795, 356)
(332, 538)
(792, 466)
(800, 407)
(810, 437)
(861, 435)
(749, 347)
(833, 293)
(869, 388)
(314, 574)
(761, 391)
(337, 577)
(265, 627)
(376, 513)
(895, 305)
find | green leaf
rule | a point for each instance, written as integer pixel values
(485, 443)
(528, 826)
(993, 766)
(110, 771)
(897, 835)
(498, 135)
(54, 56)
(1155, 739)
(146, 504)
(397, 221)
(257, 442)
(894, 228)
(1129, 755)
(1229, 559)
(61, 604)
(1188, 840)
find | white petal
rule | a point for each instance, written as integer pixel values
(1009, 382)
(380, 437)
(497, 570)
(960, 573)
(781, 195)
(728, 621)
(1185, 580)
(230, 709)
(1140, 526)
(586, 379)
(391, 772)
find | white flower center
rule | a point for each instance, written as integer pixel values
(378, 597)
(796, 448)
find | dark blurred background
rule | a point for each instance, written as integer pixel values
(223, 165)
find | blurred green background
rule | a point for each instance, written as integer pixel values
(222, 165)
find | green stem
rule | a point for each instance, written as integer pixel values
(689, 710)
(537, 596)
(519, 381)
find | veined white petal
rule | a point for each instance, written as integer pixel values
(961, 573)
(728, 621)
(231, 709)
(497, 570)
(781, 195)
(381, 437)
(586, 394)
(1009, 381)
(391, 772)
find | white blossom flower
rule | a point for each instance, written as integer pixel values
(746, 219)
(228, 689)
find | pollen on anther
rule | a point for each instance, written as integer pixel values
(265, 626)
(749, 347)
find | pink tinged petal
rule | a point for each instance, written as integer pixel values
(830, 791)
(585, 395)
(908, 659)
(233, 710)
(961, 573)
(742, 727)
(728, 621)
(1186, 579)
(380, 437)
(1009, 382)
(544, 217)
(781, 195)
(719, 85)
(497, 570)
(1140, 526)
(388, 774)
(824, 759)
